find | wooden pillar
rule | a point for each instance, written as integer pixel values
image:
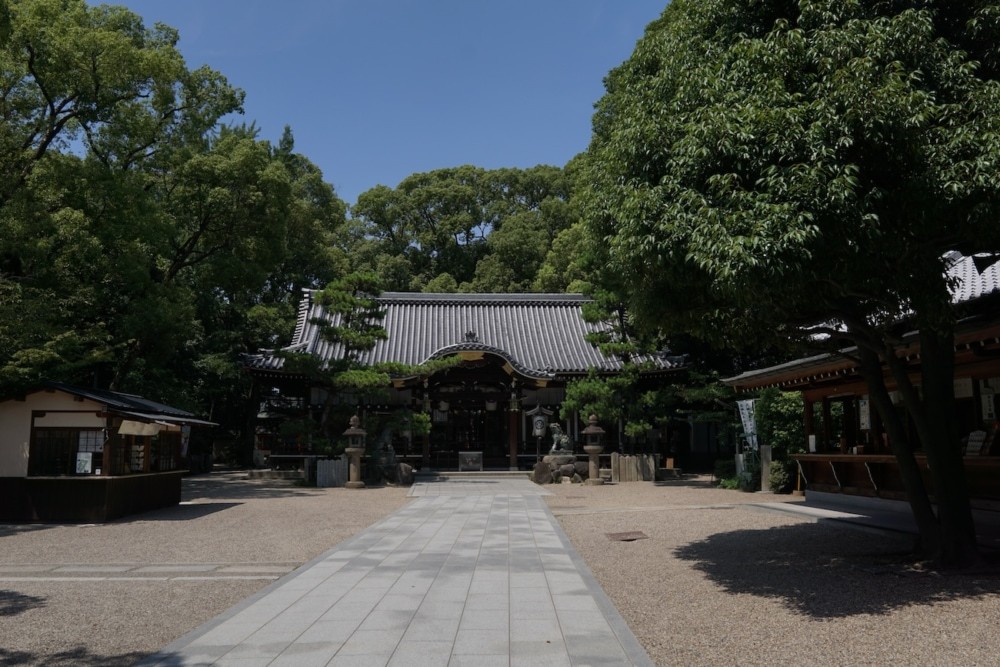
(850, 421)
(827, 426)
(110, 442)
(106, 457)
(513, 435)
(876, 430)
(808, 422)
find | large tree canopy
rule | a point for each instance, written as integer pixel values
(143, 244)
(463, 228)
(761, 171)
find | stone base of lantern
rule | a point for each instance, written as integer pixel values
(594, 476)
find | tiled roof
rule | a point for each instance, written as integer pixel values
(975, 275)
(540, 335)
(130, 404)
(972, 276)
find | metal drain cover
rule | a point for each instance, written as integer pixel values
(630, 536)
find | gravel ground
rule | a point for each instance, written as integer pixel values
(715, 581)
(719, 582)
(249, 531)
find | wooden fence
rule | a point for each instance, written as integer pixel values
(331, 472)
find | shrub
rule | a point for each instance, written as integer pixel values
(725, 473)
(780, 479)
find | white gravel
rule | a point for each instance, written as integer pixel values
(243, 527)
(715, 581)
(719, 582)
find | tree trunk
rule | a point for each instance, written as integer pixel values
(246, 439)
(939, 436)
(928, 526)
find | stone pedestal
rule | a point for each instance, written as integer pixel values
(556, 460)
(594, 476)
(354, 467)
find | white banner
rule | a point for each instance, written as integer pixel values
(749, 422)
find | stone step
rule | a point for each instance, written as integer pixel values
(426, 475)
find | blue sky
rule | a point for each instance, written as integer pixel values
(376, 90)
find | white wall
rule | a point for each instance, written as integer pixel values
(15, 424)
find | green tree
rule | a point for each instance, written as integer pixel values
(75, 73)
(223, 213)
(515, 253)
(142, 244)
(441, 283)
(248, 315)
(780, 426)
(92, 102)
(316, 219)
(354, 327)
(487, 230)
(762, 172)
(561, 267)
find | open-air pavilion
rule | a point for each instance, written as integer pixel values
(847, 450)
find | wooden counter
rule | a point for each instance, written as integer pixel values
(877, 475)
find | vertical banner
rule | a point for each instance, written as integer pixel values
(749, 423)
(864, 414)
(989, 407)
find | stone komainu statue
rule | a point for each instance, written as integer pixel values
(560, 441)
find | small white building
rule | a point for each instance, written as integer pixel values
(75, 454)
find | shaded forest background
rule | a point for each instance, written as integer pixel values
(148, 241)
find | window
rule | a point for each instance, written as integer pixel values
(165, 451)
(75, 451)
(66, 451)
(135, 453)
(89, 452)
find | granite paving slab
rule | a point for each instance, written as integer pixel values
(471, 572)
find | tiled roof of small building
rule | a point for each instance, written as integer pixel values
(540, 335)
(976, 275)
(972, 276)
(130, 405)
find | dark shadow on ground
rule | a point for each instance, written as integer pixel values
(77, 656)
(829, 572)
(170, 659)
(694, 483)
(231, 486)
(214, 486)
(13, 603)
(8, 529)
(180, 512)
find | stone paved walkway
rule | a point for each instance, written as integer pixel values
(469, 573)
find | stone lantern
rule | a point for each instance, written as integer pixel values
(355, 448)
(593, 434)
